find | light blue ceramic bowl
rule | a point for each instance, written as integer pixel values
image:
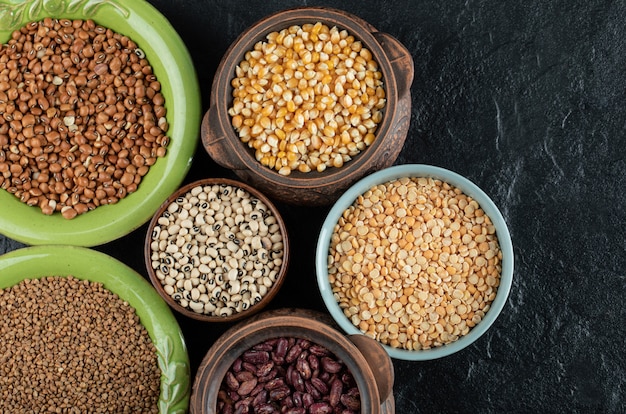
(470, 189)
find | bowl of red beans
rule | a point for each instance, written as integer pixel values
(308, 100)
(296, 361)
(99, 119)
(416, 257)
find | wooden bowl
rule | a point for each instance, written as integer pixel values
(239, 313)
(313, 188)
(366, 360)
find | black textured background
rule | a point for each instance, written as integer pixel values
(527, 99)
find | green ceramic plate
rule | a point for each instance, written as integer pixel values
(155, 315)
(173, 67)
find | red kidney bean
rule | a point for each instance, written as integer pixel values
(350, 401)
(265, 369)
(297, 399)
(296, 410)
(246, 387)
(281, 350)
(297, 381)
(288, 375)
(314, 362)
(242, 376)
(320, 408)
(275, 383)
(303, 367)
(320, 385)
(307, 400)
(231, 381)
(260, 398)
(279, 393)
(293, 353)
(336, 387)
(318, 350)
(256, 357)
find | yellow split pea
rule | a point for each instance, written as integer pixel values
(307, 98)
(414, 263)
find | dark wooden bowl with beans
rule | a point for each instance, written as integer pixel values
(295, 361)
(217, 250)
(307, 101)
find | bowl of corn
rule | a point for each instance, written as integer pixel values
(417, 257)
(308, 100)
(101, 115)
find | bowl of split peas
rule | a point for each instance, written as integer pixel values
(99, 119)
(417, 257)
(217, 250)
(308, 100)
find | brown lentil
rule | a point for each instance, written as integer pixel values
(217, 250)
(307, 98)
(73, 346)
(414, 263)
(71, 117)
(288, 375)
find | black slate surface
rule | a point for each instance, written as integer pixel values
(527, 99)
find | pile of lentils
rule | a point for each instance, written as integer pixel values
(415, 263)
(72, 346)
(307, 98)
(288, 375)
(82, 116)
(217, 250)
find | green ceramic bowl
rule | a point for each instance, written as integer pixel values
(173, 67)
(154, 314)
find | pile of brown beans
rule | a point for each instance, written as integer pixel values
(307, 98)
(73, 346)
(290, 376)
(82, 116)
(415, 263)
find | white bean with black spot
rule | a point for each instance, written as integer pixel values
(217, 250)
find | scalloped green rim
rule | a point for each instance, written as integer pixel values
(155, 315)
(173, 67)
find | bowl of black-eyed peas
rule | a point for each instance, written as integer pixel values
(217, 250)
(417, 257)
